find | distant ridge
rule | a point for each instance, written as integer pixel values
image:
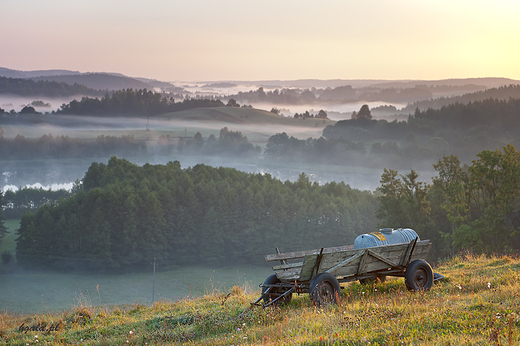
(5, 72)
(115, 81)
(99, 81)
(488, 82)
(93, 80)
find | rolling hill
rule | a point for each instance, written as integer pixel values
(101, 81)
(235, 115)
(93, 80)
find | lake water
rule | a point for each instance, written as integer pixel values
(61, 173)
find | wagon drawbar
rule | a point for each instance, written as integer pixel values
(373, 256)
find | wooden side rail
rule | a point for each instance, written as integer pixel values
(302, 254)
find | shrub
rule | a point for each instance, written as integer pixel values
(7, 257)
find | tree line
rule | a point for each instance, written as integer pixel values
(130, 102)
(48, 146)
(123, 215)
(475, 207)
(16, 203)
(460, 129)
(345, 93)
(229, 143)
(29, 87)
(503, 93)
(281, 147)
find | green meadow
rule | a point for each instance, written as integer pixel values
(30, 291)
(478, 303)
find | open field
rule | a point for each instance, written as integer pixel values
(30, 291)
(477, 304)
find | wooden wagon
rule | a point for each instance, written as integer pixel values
(322, 270)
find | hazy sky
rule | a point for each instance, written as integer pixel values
(281, 39)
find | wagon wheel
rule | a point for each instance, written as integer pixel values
(324, 289)
(418, 276)
(274, 292)
(381, 278)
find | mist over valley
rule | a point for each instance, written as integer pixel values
(338, 150)
(259, 173)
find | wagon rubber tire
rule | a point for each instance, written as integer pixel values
(272, 279)
(324, 289)
(382, 278)
(418, 276)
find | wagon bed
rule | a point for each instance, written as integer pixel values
(348, 263)
(319, 272)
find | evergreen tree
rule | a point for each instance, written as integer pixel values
(123, 215)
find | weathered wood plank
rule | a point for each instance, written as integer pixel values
(288, 275)
(308, 265)
(362, 261)
(421, 252)
(382, 259)
(345, 262)
(302, 254)
(390, 253)
(331, 260)
(288, 266)
(341, 263)
(406, 255)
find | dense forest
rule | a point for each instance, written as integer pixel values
(124, 215)
(474, 207)
(130, 102)
(459, 129)
(48, 146)
(29, 87)
(124, 102)
(501, 93)
(419, 96)
(344, 93)
(229, 143)
(16, 203)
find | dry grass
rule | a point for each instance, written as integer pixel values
(477, 304)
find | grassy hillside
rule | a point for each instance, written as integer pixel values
(240, 115)
(258, 125)
(477, 304)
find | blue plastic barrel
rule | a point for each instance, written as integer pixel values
(385, 236)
